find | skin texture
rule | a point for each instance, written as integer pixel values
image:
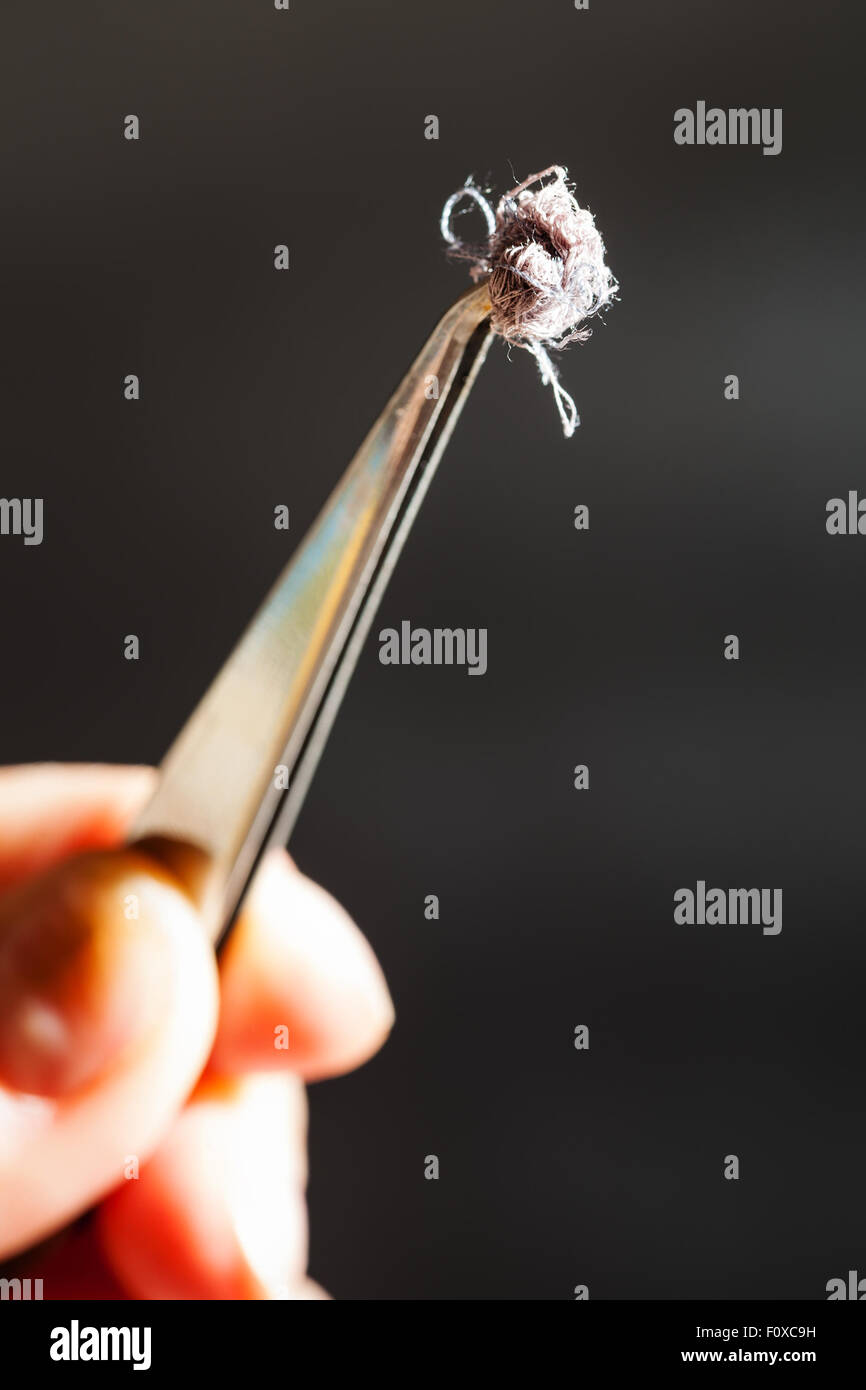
(135, 1074)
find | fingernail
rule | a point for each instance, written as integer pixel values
(83, 968)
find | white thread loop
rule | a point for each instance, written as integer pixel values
(467, 191)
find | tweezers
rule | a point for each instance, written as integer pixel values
(234, 780)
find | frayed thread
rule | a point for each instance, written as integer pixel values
(544, 266)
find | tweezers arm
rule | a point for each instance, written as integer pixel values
(219, 791)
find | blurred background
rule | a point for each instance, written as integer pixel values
(707, 517)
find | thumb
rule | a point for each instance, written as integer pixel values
(85, 968)
(108, 1001)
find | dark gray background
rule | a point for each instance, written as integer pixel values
(707, 518)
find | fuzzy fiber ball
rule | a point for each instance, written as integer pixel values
(544, 261)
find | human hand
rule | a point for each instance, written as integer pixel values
(136, 1073)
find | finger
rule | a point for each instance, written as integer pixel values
(300, 986)
(83, 967)
(71, 1266)
(309, 1291)
(218, 1212)
(105, 1024)
(50, 810)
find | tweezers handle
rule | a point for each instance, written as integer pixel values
(221, 798)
